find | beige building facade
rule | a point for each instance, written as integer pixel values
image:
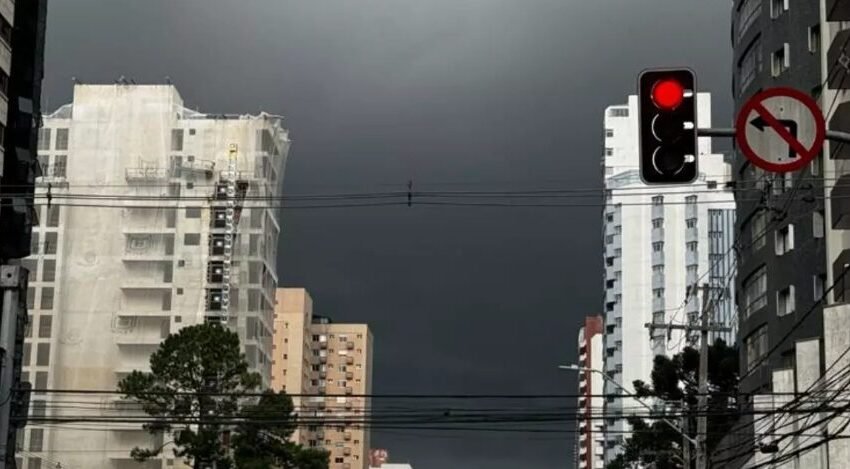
(327, 367)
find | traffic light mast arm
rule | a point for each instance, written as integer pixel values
(832, 135)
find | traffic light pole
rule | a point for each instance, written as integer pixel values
(831, 135)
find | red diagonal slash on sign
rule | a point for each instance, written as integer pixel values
(781, 130)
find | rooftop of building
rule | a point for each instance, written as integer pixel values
(66, 111)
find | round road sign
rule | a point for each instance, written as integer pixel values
(780, 129)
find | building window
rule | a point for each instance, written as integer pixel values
(657, 222)
(780, 60)
(609, 132)
(658, 269)
(47, 298)
(758, 225)
(44, 139)
(749, 65)
(785, 301)
(53, 216)
(658, 200)
(658, 292)
(618, 112)
(817, 224)
(692, 269)
(748, 13)
(658, 246)
(818, 287)
(5, 31)
(193, 212)
(784, 239)
(756, 345)
(36, 441)
(48, 271)
(814, 38)
(691, 222)
(61, 139)
(755, 291)
(60, 163)
(192, 239)
(177, 140)
(609, 151)
(42, 355)
(777, 7)
(691, 246)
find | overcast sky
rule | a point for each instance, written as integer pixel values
(453, 94)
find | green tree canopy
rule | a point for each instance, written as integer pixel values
(675, 380)
(200, 388)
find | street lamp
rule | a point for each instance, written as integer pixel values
(630, 394)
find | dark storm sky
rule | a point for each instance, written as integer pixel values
(486, 94)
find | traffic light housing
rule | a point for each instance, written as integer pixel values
(667, 113)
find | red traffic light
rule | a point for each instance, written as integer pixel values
(668, 94)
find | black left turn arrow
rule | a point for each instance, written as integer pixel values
(791, 125)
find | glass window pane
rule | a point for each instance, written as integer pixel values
(61, 139)
(45, 326)
(47, 298)
(42, 357)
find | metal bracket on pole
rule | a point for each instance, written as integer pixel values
(831, 135)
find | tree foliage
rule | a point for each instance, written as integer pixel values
(196, 391)
(675, 380)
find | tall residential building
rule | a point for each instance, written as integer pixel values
(659, 242)
(22, 31)
(332, 363)
(590, 443)
(784, 266)
(780, 220)
(22, 34)
(164, 239)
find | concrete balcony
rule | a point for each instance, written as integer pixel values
(150, 229)
(658, 258)
(146, 284)
(657, 234)
(149, 255)
(138, 339)
(131, 313)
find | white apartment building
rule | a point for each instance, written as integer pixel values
(163, 239)
(659, 241)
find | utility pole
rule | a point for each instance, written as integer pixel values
(702, 418)
(705, 326)
(13, 288)
(686, 445)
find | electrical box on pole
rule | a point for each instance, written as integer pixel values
(667, 121)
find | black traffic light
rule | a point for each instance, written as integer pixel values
(667, 112)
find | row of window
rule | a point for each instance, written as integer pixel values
(750, 63)
(755, 293)
(784, 240)
(44, 139)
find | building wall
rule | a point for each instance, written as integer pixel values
(657, 245)
(759, 32)
(126, 271)
(590, 443)
(333, 364)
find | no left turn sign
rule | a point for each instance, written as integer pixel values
(780, 129)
